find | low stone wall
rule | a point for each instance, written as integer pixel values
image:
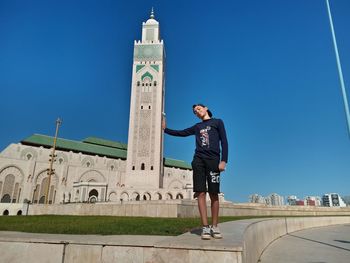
(134, 208)
(243, 242)
(13, 209)
(168, 208)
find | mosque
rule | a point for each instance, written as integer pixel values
(99, 170)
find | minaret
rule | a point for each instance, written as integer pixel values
(144, 165)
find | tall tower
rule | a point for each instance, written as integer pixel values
(144, 165)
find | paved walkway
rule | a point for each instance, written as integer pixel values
(317, 245)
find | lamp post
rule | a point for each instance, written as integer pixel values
(346, 106)
(51, 171)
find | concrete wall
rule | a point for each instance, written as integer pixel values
(135, 208)
(243, 242)
(13, 209)
(259, 235)
(169, 208)
(16, 252)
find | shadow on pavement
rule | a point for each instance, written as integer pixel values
(320, 242)
(196, 231)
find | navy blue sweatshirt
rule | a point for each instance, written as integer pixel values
(209, 135)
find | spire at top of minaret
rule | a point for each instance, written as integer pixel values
(152, 14)
(150, 29)
(151, 20)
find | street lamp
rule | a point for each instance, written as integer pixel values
(339, 68)
(51, 171)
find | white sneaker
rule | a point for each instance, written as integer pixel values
(206, 233)
(215, 232)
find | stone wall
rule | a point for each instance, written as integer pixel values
(168, 208)
(243, 242)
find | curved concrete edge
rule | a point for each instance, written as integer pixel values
(259, 235)
(243, 242)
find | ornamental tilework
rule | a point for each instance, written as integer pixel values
(152, 52)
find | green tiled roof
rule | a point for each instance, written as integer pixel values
(103, 142)
(94, 146)
(75, 146)
(177, 163)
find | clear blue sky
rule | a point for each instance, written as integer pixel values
(267, 68)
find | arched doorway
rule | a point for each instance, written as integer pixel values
(42, 188)
(93, 195)
(169, 196)
(179, 196)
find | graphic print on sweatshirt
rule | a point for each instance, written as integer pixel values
(204, 136)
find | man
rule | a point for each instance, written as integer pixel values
(208, 162)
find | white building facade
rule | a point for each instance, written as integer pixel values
(98, 170)
(333, 200)
(272, 199)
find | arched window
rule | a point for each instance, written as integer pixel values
(133, 167)
(42, 200)
(142, 166)
(6, 199)
(8, 187)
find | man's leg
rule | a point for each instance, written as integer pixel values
(215, 231)
(202, 207)
(214, 208)
(200, 188)
(213, 177)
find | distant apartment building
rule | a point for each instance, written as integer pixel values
(313, 201)
(273, 199)
(307, 201)
(276, 199)
(333, 200)
(292, 200)
(256, 198)
(300, 202)
(346, 199)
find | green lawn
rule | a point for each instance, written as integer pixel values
(102, 225)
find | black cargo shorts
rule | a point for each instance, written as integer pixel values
(206, 175)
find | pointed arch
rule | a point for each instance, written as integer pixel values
(92, 176)
(11, 181)
(147, 75)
